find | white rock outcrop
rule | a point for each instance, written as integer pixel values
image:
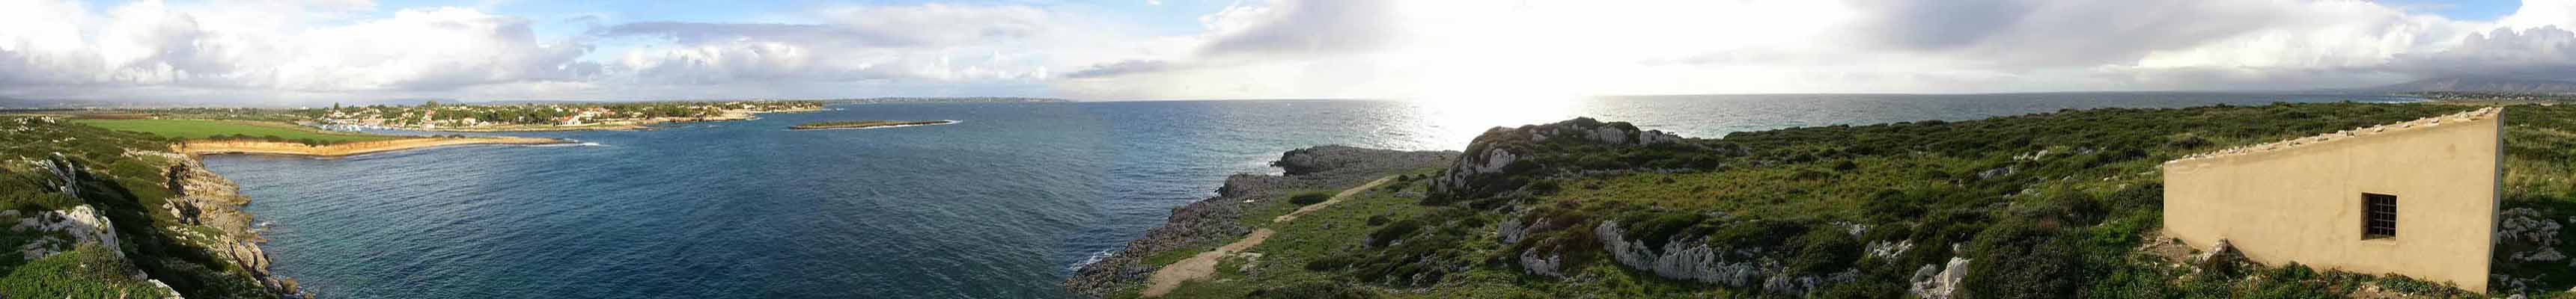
(1685, 259)
(1939, 281)
(83, 224)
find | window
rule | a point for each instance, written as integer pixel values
(2379, 216)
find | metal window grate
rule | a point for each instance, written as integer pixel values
(2379, 216)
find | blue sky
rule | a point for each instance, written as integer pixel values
(2462, 9)
(1469, 51)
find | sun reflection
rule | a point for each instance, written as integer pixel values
(1456, 121)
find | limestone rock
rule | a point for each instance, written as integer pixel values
(2219, 256)
(1941, 284)
(1496, 151)
(83, 224)
(1547, 265)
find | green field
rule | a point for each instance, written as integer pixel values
(230, 130)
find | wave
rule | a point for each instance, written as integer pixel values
(1094, 258)
(585, 143)
(945, 122)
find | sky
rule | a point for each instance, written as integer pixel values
(1468, 51)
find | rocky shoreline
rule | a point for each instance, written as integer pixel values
(198, 198)
(1213, 220)
(205, 198)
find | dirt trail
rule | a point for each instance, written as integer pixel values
(1337, 198)
(1204, 264)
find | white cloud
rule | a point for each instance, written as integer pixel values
(1465, 50)
(1497, 50)
(148, 46)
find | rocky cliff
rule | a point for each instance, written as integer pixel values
(1213, 220)
(121, 225)
(1490, 161)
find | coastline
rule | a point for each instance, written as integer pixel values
(1212, 222)
(729, 115)
(217, 202)
(216, 147)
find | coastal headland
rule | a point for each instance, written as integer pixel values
(102, 213)
(2044, 205)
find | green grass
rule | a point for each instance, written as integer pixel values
(230, 129)
(88, 272)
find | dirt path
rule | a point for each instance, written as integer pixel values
(1199, 266)
(1346, 194)
(1204, 264)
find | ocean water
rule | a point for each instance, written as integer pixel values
(1001, 205)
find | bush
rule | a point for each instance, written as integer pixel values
(1824, 251)
(2017, 259)
(1393, 231)
(1314, 290)
(1309, 198)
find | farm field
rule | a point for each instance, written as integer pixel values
(230, 130)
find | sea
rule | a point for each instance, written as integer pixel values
(1003, 204)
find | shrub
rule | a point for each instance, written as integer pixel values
(2017, 259)
(1393, 231)
(1824, 251)
(1314, 290)
(1309, 198)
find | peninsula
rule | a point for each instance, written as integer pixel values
(863, 124)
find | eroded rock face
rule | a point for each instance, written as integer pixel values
(1498, 149)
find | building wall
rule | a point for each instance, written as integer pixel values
(2302, 203)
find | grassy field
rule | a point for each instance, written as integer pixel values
(230, 129)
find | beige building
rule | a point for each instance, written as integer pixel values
(2416, 198)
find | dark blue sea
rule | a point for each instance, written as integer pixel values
(1001, 205)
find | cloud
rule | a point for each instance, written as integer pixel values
(1444, 49)
(1302, 28)
(2539, 53)
(148, 44)
(924, 42)
(929, 25)
(1435, 48)
(1115, 69)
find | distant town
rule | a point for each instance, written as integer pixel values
(538, 117)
